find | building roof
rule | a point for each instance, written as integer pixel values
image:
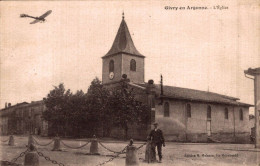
(23, 104)
(253, 72)
(173, 92)
(123, 42)
(14, 106)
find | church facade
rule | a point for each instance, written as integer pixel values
(184, 115)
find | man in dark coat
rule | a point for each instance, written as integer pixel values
(156, 135)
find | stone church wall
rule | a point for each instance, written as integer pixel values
(179, 127)
(136, 132)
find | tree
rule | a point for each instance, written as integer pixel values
(57, 110)
(97, 109)
(97, 99)
(125, 109)
(69, 113)
(78, 112)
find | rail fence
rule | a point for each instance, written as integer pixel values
(33, 142)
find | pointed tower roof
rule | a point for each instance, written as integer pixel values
(123, 42)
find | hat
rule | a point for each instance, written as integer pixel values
(155, 124)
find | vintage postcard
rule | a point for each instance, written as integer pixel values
(171, 82)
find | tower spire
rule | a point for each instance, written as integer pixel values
(123, 42)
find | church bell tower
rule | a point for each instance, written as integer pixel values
(123, 58)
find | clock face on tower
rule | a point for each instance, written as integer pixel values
(111, 75)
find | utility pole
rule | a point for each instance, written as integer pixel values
(161, 95)
(256, 74)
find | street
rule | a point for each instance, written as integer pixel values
(173, 154)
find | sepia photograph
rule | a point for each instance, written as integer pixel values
(130, 83)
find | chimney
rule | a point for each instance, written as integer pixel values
(150, 82)
(9, 104)
(124, 78)
(150, 88)
(124, 82)
(5, 104)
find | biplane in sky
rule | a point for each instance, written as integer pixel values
(37, 19)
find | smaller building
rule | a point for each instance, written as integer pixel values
(23, 118)
(256, 74)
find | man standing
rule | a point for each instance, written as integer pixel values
(156, 135)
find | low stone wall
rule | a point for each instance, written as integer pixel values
(197, 137)
(134, 131)
(242, 137)
(223, 137)
(189, 137)
(175, 137)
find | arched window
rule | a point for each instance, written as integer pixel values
(226, 113)
(188, 109)
(241, 114)
(132, 65)
(166, 109)
(111, 66)
(209, 112)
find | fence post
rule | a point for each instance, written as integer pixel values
(31, 158)
(94, 146)
(30, 140)
(56, 145)
(11, 140)
(131, 155)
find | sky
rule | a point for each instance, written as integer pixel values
(198, 49)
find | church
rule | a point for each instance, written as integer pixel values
(184, 115)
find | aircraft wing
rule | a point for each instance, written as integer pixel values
(45, 14)
(35, 21)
